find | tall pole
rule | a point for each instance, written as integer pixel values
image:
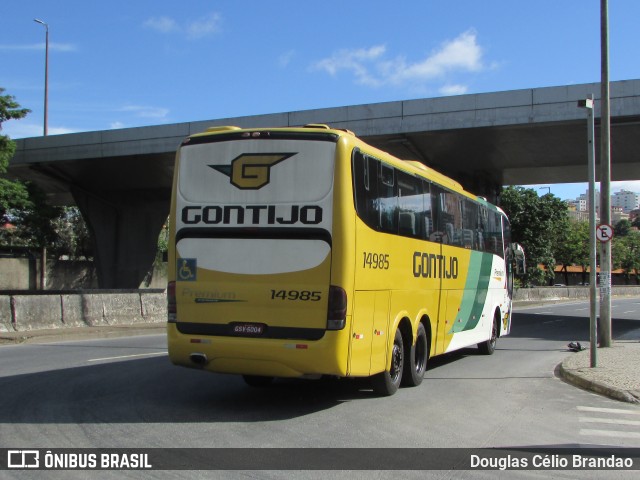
(591, 170)
(605, 179)
(46, 75)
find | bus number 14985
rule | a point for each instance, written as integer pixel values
(378, 261)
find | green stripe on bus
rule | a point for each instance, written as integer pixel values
(475, 292)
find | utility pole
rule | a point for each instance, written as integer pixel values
(605, 179)
(46, 75)
(591, 170)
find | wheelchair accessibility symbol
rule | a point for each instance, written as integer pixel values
(187, 268)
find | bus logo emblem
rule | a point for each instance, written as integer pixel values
(251, 171)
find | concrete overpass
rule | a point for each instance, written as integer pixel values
(121, 179)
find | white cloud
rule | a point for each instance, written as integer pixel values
(630, 185)
(447, 90)
(355, 61)
(462, 53)
(206, 25)
(22, 129)
(285, 58)
(371, 67)
(56, 47)
(143, 111)
(162, 24)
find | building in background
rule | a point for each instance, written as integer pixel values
(626, 200)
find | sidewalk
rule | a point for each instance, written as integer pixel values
(617, 371)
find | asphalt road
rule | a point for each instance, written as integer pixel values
(124, 393)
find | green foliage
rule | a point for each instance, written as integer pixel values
(22, 204)
(539, 224)
(31, 216)
(573, 247)
(625, 253)
(622, 228)
(73, 239)
(9, 110)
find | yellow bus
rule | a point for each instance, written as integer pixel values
(303, 252)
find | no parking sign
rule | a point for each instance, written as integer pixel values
(604, 233)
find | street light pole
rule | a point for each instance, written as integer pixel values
(605, 178)
(593, 329)
(548, 188)
(46, 75)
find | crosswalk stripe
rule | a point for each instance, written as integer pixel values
(612, 421)
(610, 433)
(609, 410)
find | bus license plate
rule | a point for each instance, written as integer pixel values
(248, 329)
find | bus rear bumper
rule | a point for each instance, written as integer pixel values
(262, 357)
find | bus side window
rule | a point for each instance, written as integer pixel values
(410, 205)
(387, 199)
(437, 234)
(470, 225)
(365, 174)
(494, 234)
(427, 215)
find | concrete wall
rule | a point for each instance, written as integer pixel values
(25, 312)
(18, 273)
(25, 274)
(567, 293)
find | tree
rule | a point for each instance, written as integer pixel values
(539, 224)
(622, 228)
(73, 239)
(573, 249)
(625, 254)
(22, 204)
(12, 194)
(9, 110)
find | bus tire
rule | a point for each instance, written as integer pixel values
(387, 383)
(489, 346)
(415, 363)
(257, 381)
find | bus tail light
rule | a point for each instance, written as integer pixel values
(171, 302)
(337, 311)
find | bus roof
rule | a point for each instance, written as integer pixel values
(411, 166)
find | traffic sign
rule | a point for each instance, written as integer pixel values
(604, 233)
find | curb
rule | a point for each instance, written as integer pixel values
(80, 333)
(597, 387)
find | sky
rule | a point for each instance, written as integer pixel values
(121, 64)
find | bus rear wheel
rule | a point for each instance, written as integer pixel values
(387, 383)
(489, 346)
(416, 362)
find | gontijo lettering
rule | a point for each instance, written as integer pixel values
(252, 214)
(430, 265)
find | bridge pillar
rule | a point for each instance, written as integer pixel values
(125, 228)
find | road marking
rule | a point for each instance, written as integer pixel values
(630, 311)
(127, 356)
(611, 421)
(610, 433)
(543, 313)
(608, 410)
